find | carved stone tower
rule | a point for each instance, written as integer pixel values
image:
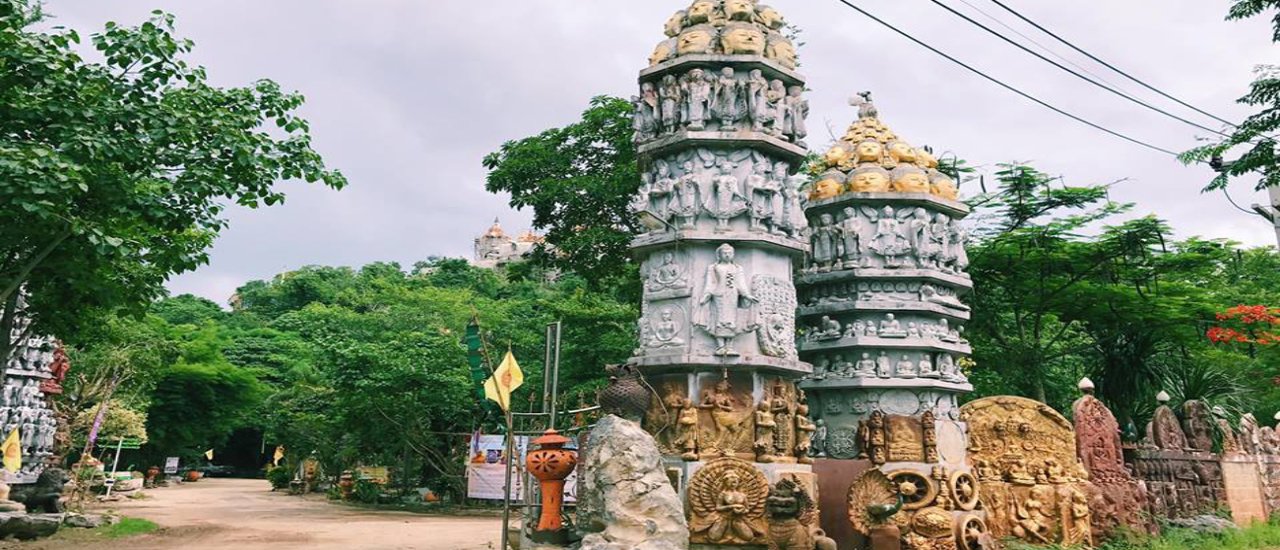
(720, 123)
(883, 324)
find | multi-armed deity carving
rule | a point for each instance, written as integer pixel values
(727, 499)
(1024, 456)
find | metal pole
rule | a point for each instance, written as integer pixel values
(506, 490)
(548, 395)
(114, 464)
(555, 375)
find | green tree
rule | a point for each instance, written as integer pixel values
(198, 406)
(116, 173)
(1256, 134)
(578, 181)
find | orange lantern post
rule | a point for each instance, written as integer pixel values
(551, 464)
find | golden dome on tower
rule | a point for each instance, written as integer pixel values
(726, 27)
(872, 159)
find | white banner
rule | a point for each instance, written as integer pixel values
(171, 465)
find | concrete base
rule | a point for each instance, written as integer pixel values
(834, 478)
(1244, 489)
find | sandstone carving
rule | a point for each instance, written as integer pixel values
(727, 503)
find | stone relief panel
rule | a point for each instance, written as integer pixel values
(776, 315)
(887, 237)
(739, 190)
(1032, 485)
(726, 99)
(726, 421)
(888, 364)
(885, 291)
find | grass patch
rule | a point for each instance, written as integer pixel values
(1259, 536)
(128, 527)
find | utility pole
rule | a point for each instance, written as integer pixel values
(1271, 212)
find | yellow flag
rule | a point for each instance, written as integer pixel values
(505, 380)
(209, 454)
(12, 449)
(275, 459)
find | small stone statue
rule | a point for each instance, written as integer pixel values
(727, 200)
(726, 296)
(697, 95)
(671, 96)
(726, 91)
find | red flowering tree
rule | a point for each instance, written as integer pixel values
(1257, 325)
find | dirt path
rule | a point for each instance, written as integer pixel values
(239, 514)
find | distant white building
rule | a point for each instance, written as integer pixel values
(494, 247)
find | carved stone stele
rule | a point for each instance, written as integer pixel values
(727, 503)
(1117, 501)
(1032, 485)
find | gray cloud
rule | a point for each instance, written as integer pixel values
(407, 96)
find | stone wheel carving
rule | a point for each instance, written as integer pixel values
(843, 444)
(918, 491)
(971, 533)
(871, 489)
(966, 499)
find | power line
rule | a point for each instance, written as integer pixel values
(1110, 66)
(1007, 86)
(1015, 43)
(1038, 44)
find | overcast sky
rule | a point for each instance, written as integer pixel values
(407, 96)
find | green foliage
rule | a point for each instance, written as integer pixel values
(116, 173)
(1259, 536)
(1256, 134)
(578, 181)
(187, 310)
(197, 406)
(366, 491)
(1060, 295)
(279, 477)
(119, 422)
(128, 527)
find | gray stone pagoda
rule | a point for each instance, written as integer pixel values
(882, 321)
(720, 124)
(35, 367)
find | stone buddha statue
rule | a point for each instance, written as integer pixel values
(909, 178)
(840, 155)
(829, 185)
(869, 151)
(869, 179)
(675, 24)
(943, 186)
(740, 10)
(697, 39)
(901, 152)
(664, 51)
(779, 48)
(769, 17)
(701, 11)
(742, 38)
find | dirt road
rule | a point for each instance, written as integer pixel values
(238, 514)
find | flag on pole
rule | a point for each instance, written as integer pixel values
(505, 380)
(12, 449)
(275, 459)
(209, 454)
